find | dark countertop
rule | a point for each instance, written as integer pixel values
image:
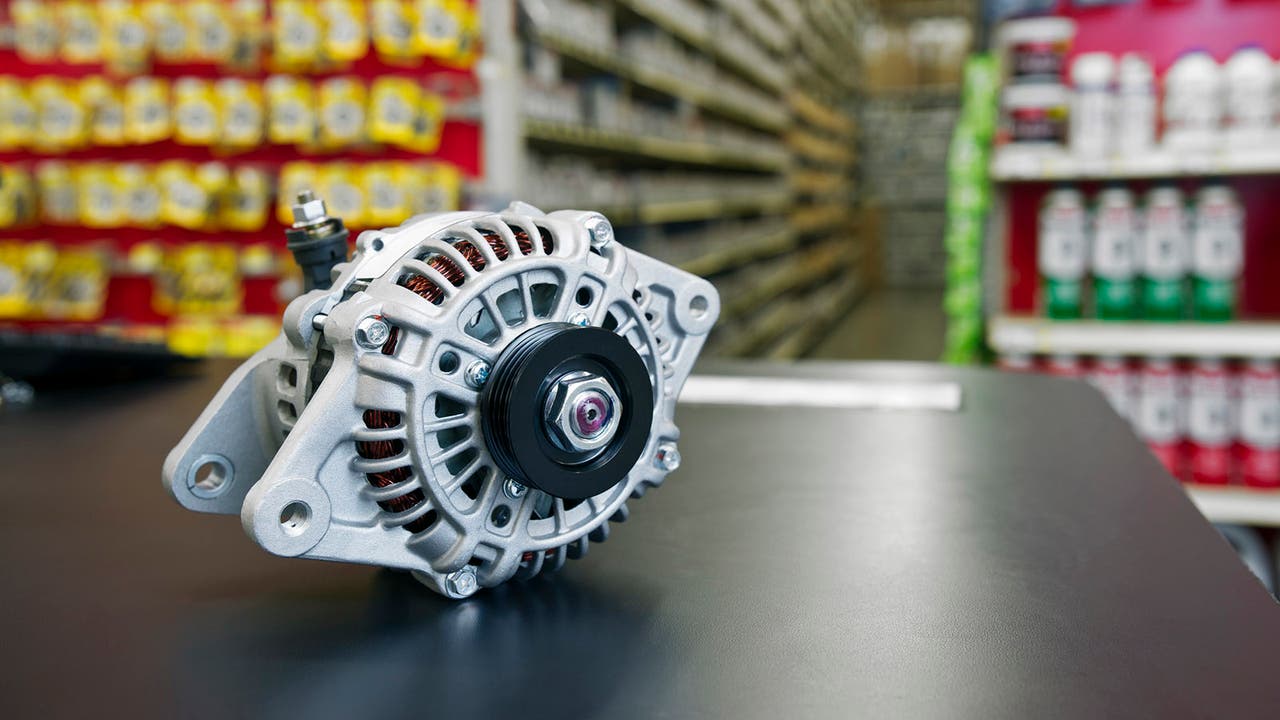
(1024, 557)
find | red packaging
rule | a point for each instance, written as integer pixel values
(1113, 377)
(1258, 424)
(1158, 412)
(1064, 365)
(1209, 423)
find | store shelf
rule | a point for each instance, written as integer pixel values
(706, 98)
(741, 253)
(1238, 506)
(689, 153)
(819, 218)
(1021, 164)
(1015, 334)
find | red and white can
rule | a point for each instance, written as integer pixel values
(1258, 424)
(1158, 411)
(1113, 377)
(1064, 365)
(1016, 362)
(1210, 422)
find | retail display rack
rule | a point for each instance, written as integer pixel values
(149, 152)
(713, 138)
(1018, 329)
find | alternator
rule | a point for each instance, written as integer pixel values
(474, 398)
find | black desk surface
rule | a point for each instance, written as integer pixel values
(1024, 557)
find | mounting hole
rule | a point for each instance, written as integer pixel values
(584, 296)
(294, 518)
(449, 361)
(698, 307)
(376, 244)
(210, 476)
(637, 295)
(500, 516)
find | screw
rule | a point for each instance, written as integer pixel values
(579, 319)
(513, 489)
(668, 457)
(462, 583)
(477, 374)
(600, 229)
(372, 333)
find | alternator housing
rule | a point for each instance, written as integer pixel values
(399, 419)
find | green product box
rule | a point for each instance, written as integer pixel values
(1162, 299)
(1213, 299)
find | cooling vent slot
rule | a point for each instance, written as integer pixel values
(469, 248)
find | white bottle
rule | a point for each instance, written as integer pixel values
(1193, 103)
(1250, 97)
(1092, 104)
(1135, 124)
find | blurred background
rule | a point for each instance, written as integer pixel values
(1078, 187)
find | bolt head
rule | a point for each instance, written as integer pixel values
(579, 319)
(513, 489)
(372, 333)
(477, 374)
(462, 583)
(308, 209)
(582, 413)
(600, 229)
(667, 457)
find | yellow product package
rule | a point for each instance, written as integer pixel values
(428, 125)
(440, 190)
(171, 34)
(290, 110)
(142, 197)
(246, 202)
(468, 49)
(62, 122)
(184, 201)
(386, 202)
(17, 196)
(340, 186)
(391, 25)
(342, 112)
(77, 286)
(213, 38)
(17, 114)
(200, 279)
(34, 263)
(15, 283)
(102, 202)
(58, 194)
(438, 27)
(241, 112)
(104, 101)
(81, 32)
(346, 33)
(126, 38)
(195, 116)
(146, 110)
(393, 109)
(35, 30)
(296, 33)
(249, 18)
(294, 178)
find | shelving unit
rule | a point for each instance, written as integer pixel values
(1012, 164)
(1238, 506)
(1035, 335)
(716, 134)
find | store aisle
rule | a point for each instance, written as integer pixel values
(889, 324)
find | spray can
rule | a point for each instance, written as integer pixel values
(1111, 375)
(1258, 424)
(1159, 412)
(1217, 252)
(1092, 104)
(1135, 106)
(1209, 423)
(1164, 255)
(1115, 250)
(1062, 252)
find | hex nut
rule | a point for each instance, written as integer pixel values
(560, 411)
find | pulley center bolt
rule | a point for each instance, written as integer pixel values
(591, 412)
(582, 412)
